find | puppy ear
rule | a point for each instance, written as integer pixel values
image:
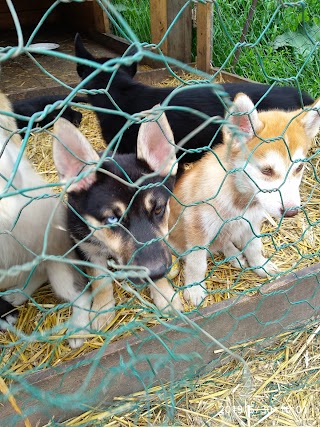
(131, 69)
(81, 52)
(247, 123)
(311, 120)
(72, 153)
(156, 145)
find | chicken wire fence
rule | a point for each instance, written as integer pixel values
(142, 348)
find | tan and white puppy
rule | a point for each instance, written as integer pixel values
(220, 203)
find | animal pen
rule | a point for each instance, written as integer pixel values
(249, 354)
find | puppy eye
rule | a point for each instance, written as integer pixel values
(158, 210)
(299, 168)
(111, 219)
(268, 171)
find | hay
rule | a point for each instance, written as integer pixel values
(284, 392)
(202, 401)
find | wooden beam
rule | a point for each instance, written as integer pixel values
(159, 23)
(281, 306)
(150, 77)
(179, 40)
(204, 36)
(101, 20)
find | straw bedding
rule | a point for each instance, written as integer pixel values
(292, 360)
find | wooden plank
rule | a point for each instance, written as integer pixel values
(27, 18)
(111, 42)
(278, 307)
(180, 36)
(76, 16)
(150, 77)
(101, 20)
(178, 42)
(159, 23)
(204, 36)
(21, 5)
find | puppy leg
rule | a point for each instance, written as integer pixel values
(229, 250)
(66, 283)
(253, 253)
(195, 272)
(102, 310)
(19, 296)
(169, 294)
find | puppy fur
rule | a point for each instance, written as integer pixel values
(131, 96)
(220, 203)
(26, 215)
(30, 106)
(111, 217)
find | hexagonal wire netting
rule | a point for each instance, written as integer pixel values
(152, 355)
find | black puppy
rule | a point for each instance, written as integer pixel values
(29, 106)
(132, 97)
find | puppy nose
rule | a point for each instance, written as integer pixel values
(289, 212)
(157, 271)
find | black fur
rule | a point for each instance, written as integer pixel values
(29, 106)
(138, 222)
(132, 97)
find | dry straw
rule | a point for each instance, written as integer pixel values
(294, 360)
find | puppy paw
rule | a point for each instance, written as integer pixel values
(9, 320)
(77, 342)
(269, 269)
(239, 262)
(163, 305)
(101, 316)
(195, 294)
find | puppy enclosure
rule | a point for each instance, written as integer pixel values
(141, 351)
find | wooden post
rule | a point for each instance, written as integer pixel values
(159, 22)
(204, 36)
(178, 42)
(101, 20)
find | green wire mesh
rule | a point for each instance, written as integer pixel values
(271, 53)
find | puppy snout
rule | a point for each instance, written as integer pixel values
(289, 212)
(157, 270)
(155, 258)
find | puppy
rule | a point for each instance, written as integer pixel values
(30, 106)
(219, 204)
(119, 209)
(196, 105)
(32, 234)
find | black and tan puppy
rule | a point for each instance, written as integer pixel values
(124, 93)
(119, 208)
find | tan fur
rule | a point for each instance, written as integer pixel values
(8, 123)
(278, 123)
(207, 194)
(118, 207)
(110, 237)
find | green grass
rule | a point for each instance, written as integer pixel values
(258, 59)
(137, 15)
